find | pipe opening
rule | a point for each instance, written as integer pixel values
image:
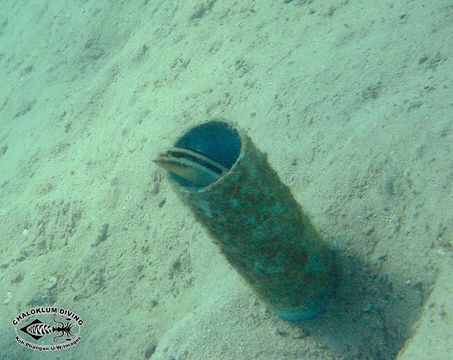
(208, 151)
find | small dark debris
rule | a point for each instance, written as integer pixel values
(25, 109)
(331, 11)
(369, 230)
(27, 70)
(43, 299)
(372, 91)
(150, 351)
(436, 60)
(176, 266)
(18, 279)
(202, 9)
(154, 186)
(115, 181)
(422, 59)
(23, 255)
(142, 54)
(389, 186)
(103, 234)
(67, 126)
(3, 149)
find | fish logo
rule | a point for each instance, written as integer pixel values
(37, 329)
(48, 329)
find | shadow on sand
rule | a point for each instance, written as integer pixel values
(370, 316)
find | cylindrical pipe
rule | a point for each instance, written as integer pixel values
(253, 218)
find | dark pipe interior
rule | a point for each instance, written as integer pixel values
(216, 140)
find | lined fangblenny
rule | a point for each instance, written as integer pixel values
(195, 168)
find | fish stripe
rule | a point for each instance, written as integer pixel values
(197, 157)
(40, 329)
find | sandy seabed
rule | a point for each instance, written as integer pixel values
(352, 102)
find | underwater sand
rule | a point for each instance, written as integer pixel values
(352, 102)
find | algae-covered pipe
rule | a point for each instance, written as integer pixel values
(252, 216)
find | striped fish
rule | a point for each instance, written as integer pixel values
(193, 167)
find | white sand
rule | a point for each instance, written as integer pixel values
(358, 93)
